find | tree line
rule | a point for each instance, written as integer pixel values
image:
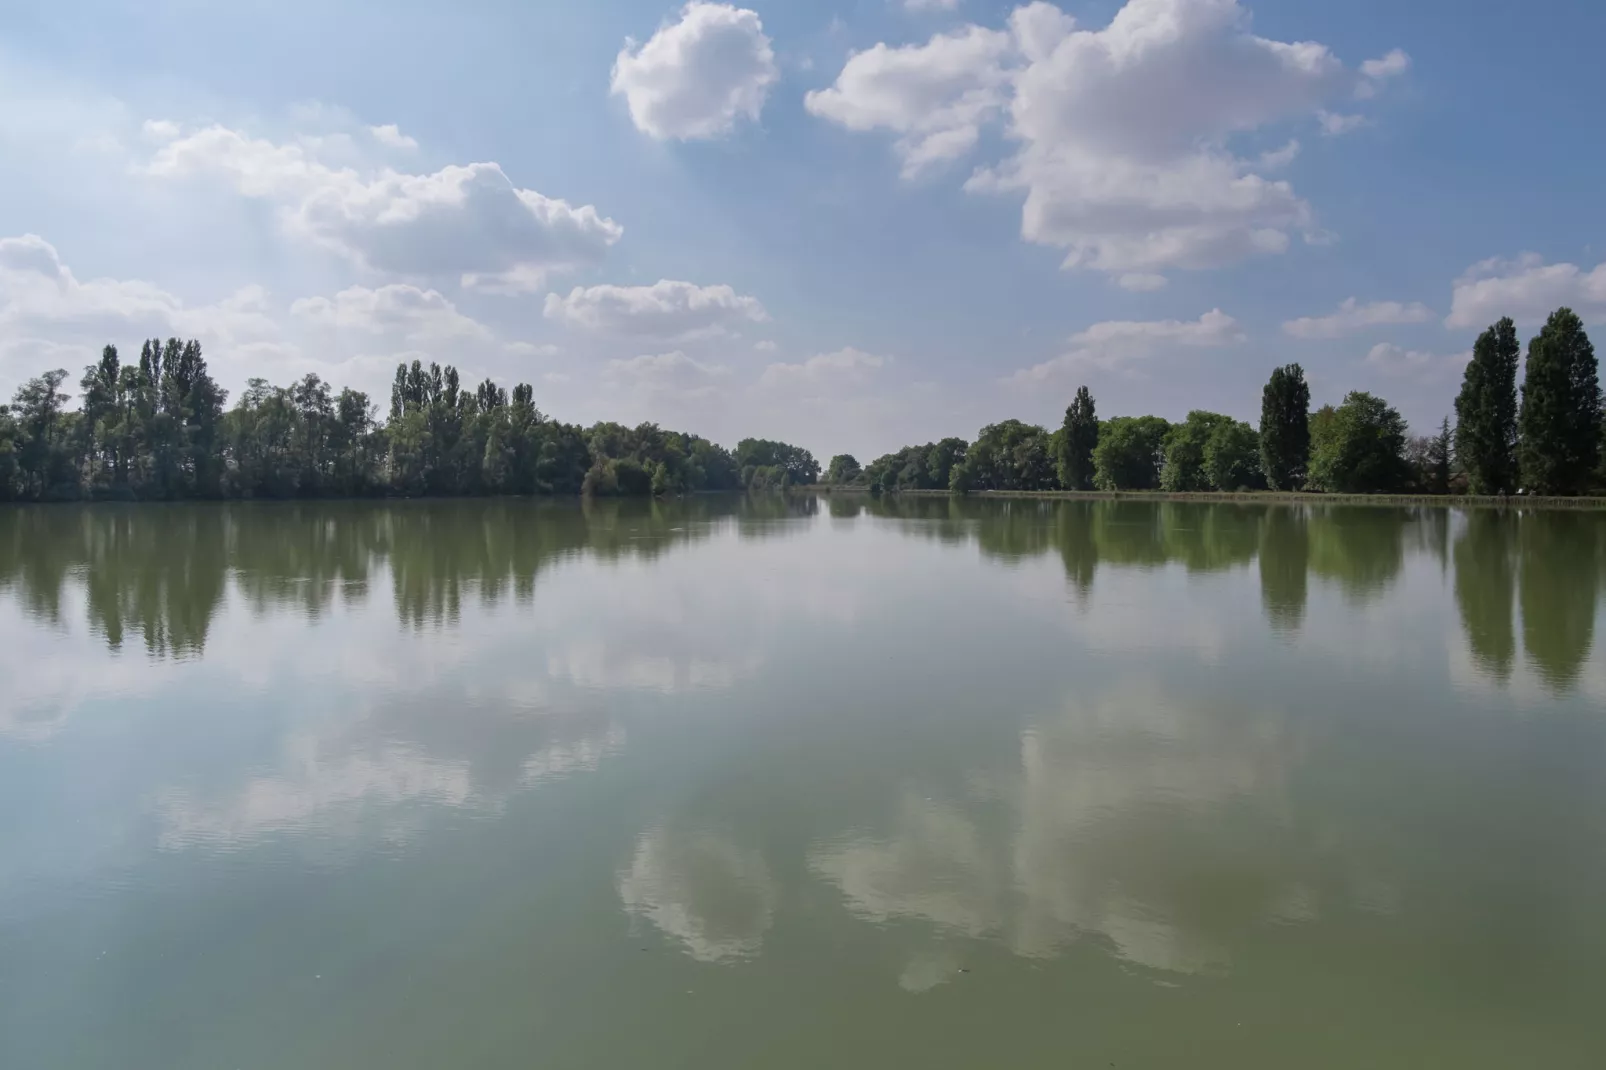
(159, 429)
(1548, 442)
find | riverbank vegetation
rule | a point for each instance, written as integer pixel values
(159, 430)
(1548, 443)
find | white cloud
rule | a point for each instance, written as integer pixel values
(930, 5)
(1336, 125)
(1393, 360)
(1526, 289)
(468, 221)
(844, 367)
(1279, 158)
(1123, 132)
(1354, 316)
(1141, 282)
(671, 373)
(1377, 71)
(697, 77)
(667, 309)
(531, 349)
(405, 310)
(1114, 343)
(765, 346)
(45, 309)
(935, 96)
(389, 135)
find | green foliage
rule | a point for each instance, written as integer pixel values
(1184, 467)
(1130, 452)
(1232, 457)
(1359, 447)
(790, 465)
(1561, 409)
(927, 467)
(1285, 433)
(1006, 456)
(1486, 412)
(1074, 445)
(844, 468)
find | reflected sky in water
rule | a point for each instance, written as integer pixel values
(422, 784)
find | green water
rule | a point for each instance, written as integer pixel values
(801, 784)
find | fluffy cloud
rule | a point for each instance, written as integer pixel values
(667, 309)
(1114, 343)
(1123, 133)
(697, 77)
(935, 96)
(405, 310)
(672, 373)
(468, 221)
(1526, 289)
(1354, 316)
(390, 135)
(844, 367)
(931, 5)
(1393, 360)
(47, 311)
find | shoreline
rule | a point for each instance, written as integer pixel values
(1269, 497)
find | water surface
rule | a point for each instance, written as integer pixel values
(801, 783)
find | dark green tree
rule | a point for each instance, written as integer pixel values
(1360, 448)
(1561, 409)
(844, 468)
(1285, 440)
(1079, 436)
(1232, 457)
(1441, 459)
(1130, 452)
(1184, 467)
(1009, 455)
(1486, 412)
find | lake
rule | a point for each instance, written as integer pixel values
(801, 783)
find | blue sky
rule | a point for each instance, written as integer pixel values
(853, 225)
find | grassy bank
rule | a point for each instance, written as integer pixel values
(1255, 496)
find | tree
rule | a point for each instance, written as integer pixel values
(1285, 439)
(1360, 448)
(1130, 452)
(797, 465)
(1486, 412)
(1232, 457)
(1561, 408)
(1441, 458)
(1079, 437)
(1009, 455)
(1184, 468)
(844, 469)
(44, 463)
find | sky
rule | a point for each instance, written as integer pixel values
(849, 224)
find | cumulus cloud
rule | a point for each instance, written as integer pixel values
(1141, 282)
(401, 308)
(1526, 289)
(46, 309)
(1115, 343)
(468, 221)
(672, 373)
(694, 79)
(843, 367)
(935, 96)
(1354, 316)
(1123, 133)
(1336, 125)
(1394, 360)
(390, 135)
(667, 309)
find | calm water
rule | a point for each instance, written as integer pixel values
(808, 784)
